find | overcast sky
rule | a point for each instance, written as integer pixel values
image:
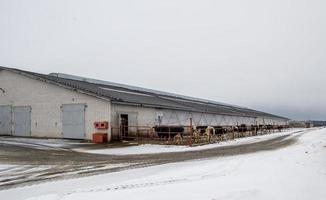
(263, 54)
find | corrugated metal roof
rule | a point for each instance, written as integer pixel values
(125, 94)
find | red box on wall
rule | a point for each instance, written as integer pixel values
(99, 138)
(101, 125)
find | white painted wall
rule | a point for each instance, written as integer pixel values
(46, 100)
(145, 116)
(149, 117)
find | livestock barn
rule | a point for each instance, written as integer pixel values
(65, 106)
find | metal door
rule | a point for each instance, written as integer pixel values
(128, 123)
(5, 120)
(22, 121)
(132, 123)
(124, 125)
(73, 121)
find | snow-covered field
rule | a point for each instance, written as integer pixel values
(295, 172)
(154, 149)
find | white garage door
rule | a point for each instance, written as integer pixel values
(5, 120)
(22, 121)
(73, 121)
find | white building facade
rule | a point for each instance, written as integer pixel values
(35, 106)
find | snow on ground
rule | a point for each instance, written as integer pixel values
(295, 172)
(9, 173)
(12, 174)
(41, 143)
(5, 169)
(153, 149)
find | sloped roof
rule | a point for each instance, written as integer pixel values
(125, 94)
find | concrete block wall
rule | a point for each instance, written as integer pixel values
(45, 100)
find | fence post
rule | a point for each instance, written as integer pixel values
(169, 134)
(190, 133)
(120, 133)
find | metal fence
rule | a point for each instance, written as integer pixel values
(189, 136)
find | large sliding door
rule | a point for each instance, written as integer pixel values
(22, 121)
(5, 120)
(73, 121)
